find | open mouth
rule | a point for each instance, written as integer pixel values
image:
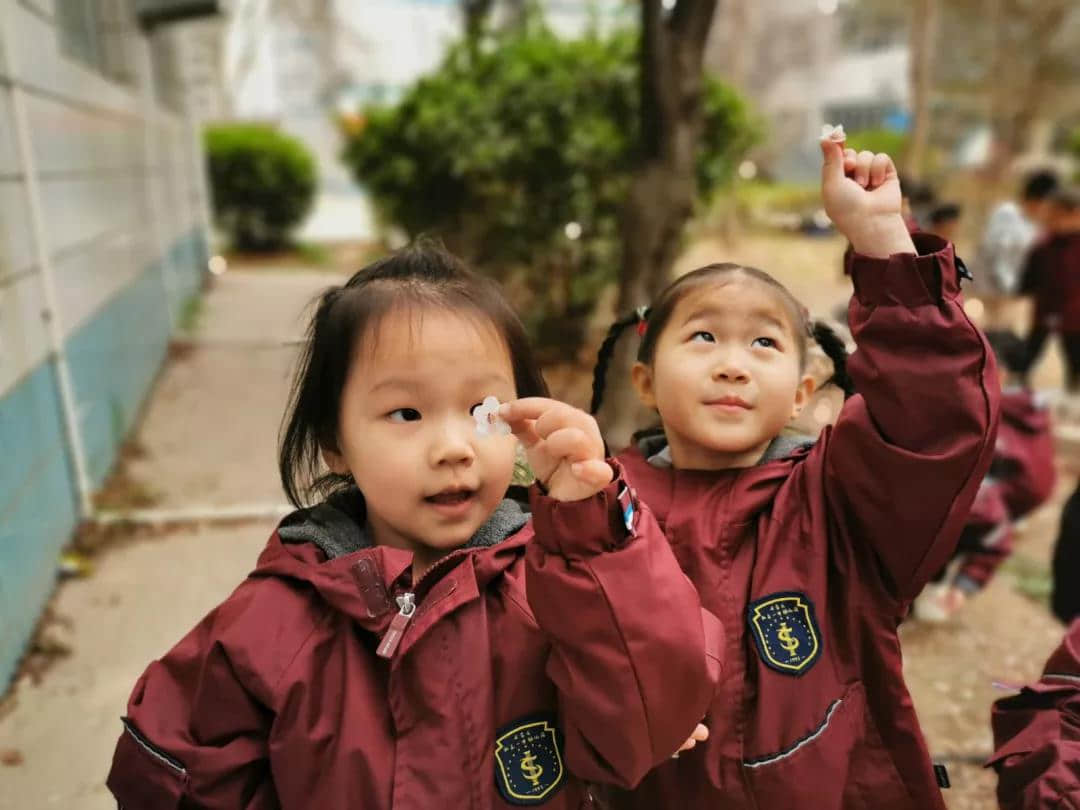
(451, 497)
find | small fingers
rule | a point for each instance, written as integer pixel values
(569, 443)
(862, 167)
(567, 417)
(525, 430)
(593, 472)
(527, 408)
(849, 161)
(879, 169)
(700, 734)
(832, 159)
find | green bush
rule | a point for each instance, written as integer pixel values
(510, 142)
(263, 183)
(889, 141)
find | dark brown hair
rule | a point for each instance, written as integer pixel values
(655, 320)
(423, 275)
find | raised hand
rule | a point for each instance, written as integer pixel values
(563, 444)
(861, 193)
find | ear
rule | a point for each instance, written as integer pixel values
(642, 379)
(803, 392)
(335, 461)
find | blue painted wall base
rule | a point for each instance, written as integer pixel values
(114, 358)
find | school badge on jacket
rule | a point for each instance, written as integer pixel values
(785, 631)
(528, 760)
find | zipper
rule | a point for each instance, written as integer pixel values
(406, 608)
(152, 750)
(407, 604)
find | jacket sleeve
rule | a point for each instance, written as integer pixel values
(194, 736)
(1037, 736)
(905, 458)
(635, 658)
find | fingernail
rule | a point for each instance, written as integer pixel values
(504, 409)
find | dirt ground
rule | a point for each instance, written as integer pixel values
(207, 438)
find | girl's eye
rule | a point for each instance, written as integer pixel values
(700, 336)
(404, 415)
(765, 342)
(472, 409)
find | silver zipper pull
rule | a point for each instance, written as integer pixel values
(406, 608)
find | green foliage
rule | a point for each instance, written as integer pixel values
(263, 183)
(1074, 149)
(512, 139)
(889, 141)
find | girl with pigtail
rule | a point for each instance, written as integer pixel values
(810, 551)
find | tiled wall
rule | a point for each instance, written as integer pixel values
(117, 175)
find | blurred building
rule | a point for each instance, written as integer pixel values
(809, 62)
(303, 63)
(102, 242)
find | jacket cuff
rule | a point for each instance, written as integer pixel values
(604, 522)
(905, 279)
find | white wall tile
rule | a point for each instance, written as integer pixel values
(16, 238)
(68, 138)
(9, 156)
(88, 277)
(80, 208)
(23, 339)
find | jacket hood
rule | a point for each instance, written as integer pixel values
(327, 547)
(649, 466)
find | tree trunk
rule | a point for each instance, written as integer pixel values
(924, 26)
(661, 197)
(1020, 85)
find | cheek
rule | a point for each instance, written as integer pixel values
(675, 376)
(498, 453)
(785, 385)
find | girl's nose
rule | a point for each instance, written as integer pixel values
(730, 368)
(453, 444)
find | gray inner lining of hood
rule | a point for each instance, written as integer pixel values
(337, 526)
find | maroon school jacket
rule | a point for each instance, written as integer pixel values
(1052, 276)
(811, 558)
(279, 698)
(1024, 455)
(1037, 736)
(1021, 478)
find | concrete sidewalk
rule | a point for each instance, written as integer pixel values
(208, 437)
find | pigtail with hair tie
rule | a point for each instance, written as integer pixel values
(835, 349)
(607, 348)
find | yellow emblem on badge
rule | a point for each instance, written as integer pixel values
(528, 760)
(785, 631)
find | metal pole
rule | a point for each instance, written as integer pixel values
(57, 354)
